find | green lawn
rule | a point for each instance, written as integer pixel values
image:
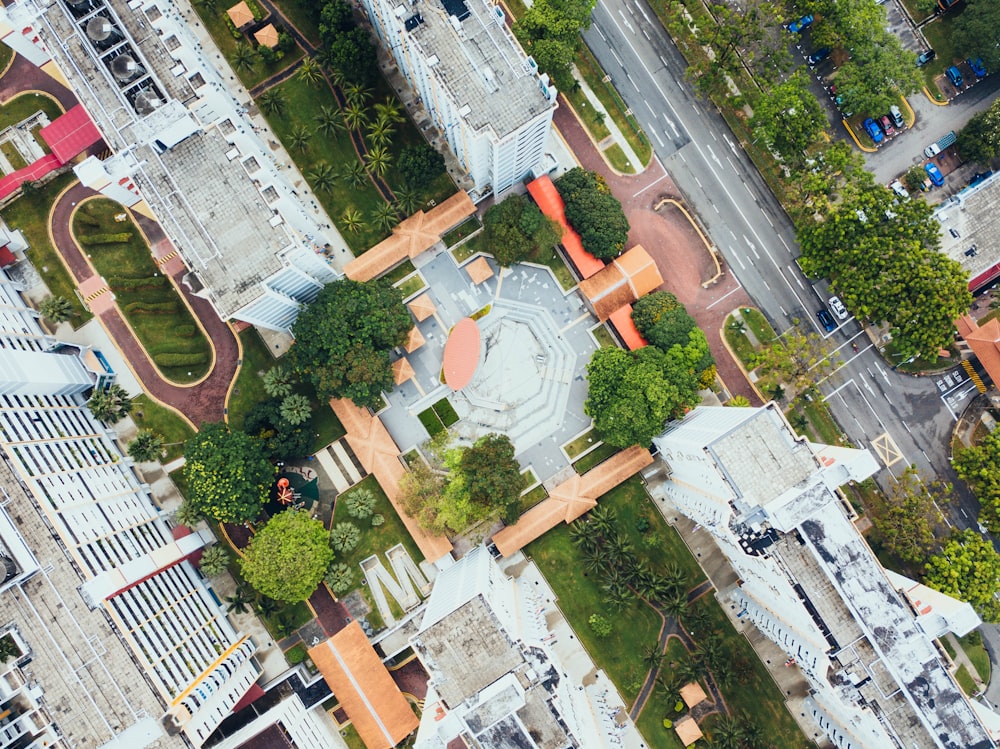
(398, 273)
(581, 443)
(965, 680)
(658, 707)
(972, 644)
(14, 157)
(148, 414)
(31, 216)
(162, 333)
(22, 107)
(352, 738)
(595, 456)
(531, 498)
(6, 53)
(604, 336)
(304, 15)
(181, 483)
(819, 425)
(939, 36)
(466, 228)
(739, 343)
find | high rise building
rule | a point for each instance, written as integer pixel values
(809, 582)
(481, 91)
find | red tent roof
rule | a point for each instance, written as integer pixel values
(621, 319)
(71, 134)
(10, 182)
(550, 203)
(461, 354)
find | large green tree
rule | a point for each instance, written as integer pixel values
(287, 558)
(979, 466)
(420, 165)
(665, 323)
(594, 212)
(550, 33)
(111, 404)
(906, 520)
(227, 473)
(343, 339)
(632, 394)
(979, 140)
(788, 117)
(282, 440)
(492, 475)
(515, 230)
(968, 568)
(975, 33)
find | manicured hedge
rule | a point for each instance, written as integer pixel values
(133, 284)
(151, 308)
(90, 239)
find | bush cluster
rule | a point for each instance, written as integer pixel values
(92, 239)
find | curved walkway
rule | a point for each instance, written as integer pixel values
(22, 76)
(202, 402)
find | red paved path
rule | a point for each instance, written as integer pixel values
(331, 614)
(200, 403)
(24, 76)
(671, 242)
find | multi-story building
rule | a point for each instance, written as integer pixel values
(184, 152)
(130, 564)
(480, 90)
(811, 584)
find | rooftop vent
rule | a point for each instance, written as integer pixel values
(147, 102)
(124, 68)
(413, 21)
(98, 29)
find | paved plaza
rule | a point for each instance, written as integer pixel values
(530, 381)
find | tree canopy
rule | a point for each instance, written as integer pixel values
(281, 439)
(877, 74)
(111, 404)
(906, 520)
(975, 32)
(346, 47)
(343, 339)
(228, 474)
(632, 394)
(420, 165)
(515, 230)
(979, 140)
(594, 213)
(789, 118)
(550, 33)
(968, 568)
(665, 323)
(287, 558)
(979, 466)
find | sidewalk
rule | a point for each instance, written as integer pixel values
(609, 123)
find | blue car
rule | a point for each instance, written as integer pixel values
(955, 76)
(797, 27)
(977, 67)
(873, 130)
(826, 320)
(818, 56)
(934, 173)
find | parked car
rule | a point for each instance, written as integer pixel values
(979, 177)
(925, 57)
(826, 320)
(797, 27)
(886, 124)
(818, 56)
(977, 67)
(955, 76)
(897, 187)
(932, 150)
(873, 130)
(935, 174)
(839, 101)
(897, 117)
(838, 308)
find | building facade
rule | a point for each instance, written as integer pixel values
(485, 96)
(811, 584)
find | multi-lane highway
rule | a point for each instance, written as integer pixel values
(903, 419)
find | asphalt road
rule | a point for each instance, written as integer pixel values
(871, 401)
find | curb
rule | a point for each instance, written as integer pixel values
(850, 131)
(739, 363)
(913, 115)
(933, 101)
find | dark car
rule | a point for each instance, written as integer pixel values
(818, 56)
(925, 57)
(873, 130)
(797, 27)
(955, 76)
(977, 67)
(826, 320)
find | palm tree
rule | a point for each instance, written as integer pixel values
(56, 309)
(618, 548)
(378, 160)
(675, 605)
(690, 670)
(603, 517)
(593, 560)
(146, 446)
(384, 216)
(355, 116)
(295, 409)
(330, 120)
(244, 58)
(618, 597)
(727, 733)
(214, 560)
(351, 219)
(652, 656)
(355, 174)
(299, 136)
(390, 110)
(357, 94)
(239, 600)
(278, 382)
(380, 132)
(710, 650)
(187, 514)
(753, 734)
(738, 401)
(310, 71)
(267, 606)
(673, 577)
(407, 200)
(322, 177)
(271, 102)
(110, 405)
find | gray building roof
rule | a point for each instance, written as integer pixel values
(970, 228)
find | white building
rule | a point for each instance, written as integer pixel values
(129, 562)
(810, 582)
(481, 91)
(185, 153)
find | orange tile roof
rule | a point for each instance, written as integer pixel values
(461, 353)
(414, 340)
(479, 270)
(622, 281)
(984, 342)
(240, 14)
(362, 684)
(621, 319)
(693, 694)
(378, 454)
(402, 370)
(572, 498)
(551, 204)
(687, 730)
(642, 273)
(410, 237)
(422, 307)
(267, 36)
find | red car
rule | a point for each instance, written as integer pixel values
(886, 124)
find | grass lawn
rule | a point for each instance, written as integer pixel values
(739, 343)
(531, 498)
(595, 456)
(618, 159)
(148, 414)
(658, 706)
(161, 333)
(471, 225)
(946, 644)
(14, 157)
(22, 107)
(304, 15)
(178, 478)
(580, 594)
(604, 336)
(965, 680)
(972, 644)
(939, 36)
(819, 424)
(352, 738)
(31, 216)
(6, 54)
(398, 273)
(288, 618)
(412, 285)
(581, 443)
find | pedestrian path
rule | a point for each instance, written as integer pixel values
(341, 468)
(609, 122)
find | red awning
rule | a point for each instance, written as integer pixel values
(10, 182)
(550, 203)
(71, 134)
(621, 319)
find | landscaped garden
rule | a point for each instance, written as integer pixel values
(148, 414)
(147, 299)
(438, 417)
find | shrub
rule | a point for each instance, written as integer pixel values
(134, 284)
(340, 578)
(360, 503)
(642, 524)
(601, 626)
(92, 239)
(377, 520)
(151, 308)
(345, 537)
(180, 360)
(86, 219)
(185, 331)
(295, 654)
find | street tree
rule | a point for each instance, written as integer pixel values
(975, 32)
(420, 164)
(278, 382)
(296, 409)
(878, 74)
(789, 118)
(550, 33)
(282, 440)
(968, 568)
(227, 473)
(908, 518)
(146, 446)
(796, 358)
(979, 467)
(594, 213)
(350, 360)
(110, 405)
(632, 394)
(740, 34)
(214, 560)
(287, 558)
(56, 309)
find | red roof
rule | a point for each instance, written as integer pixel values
(461, 354)
(621, 319)
(550, 203)
(71, 134)
(985, 277)
(6, 257)
(10, 182)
